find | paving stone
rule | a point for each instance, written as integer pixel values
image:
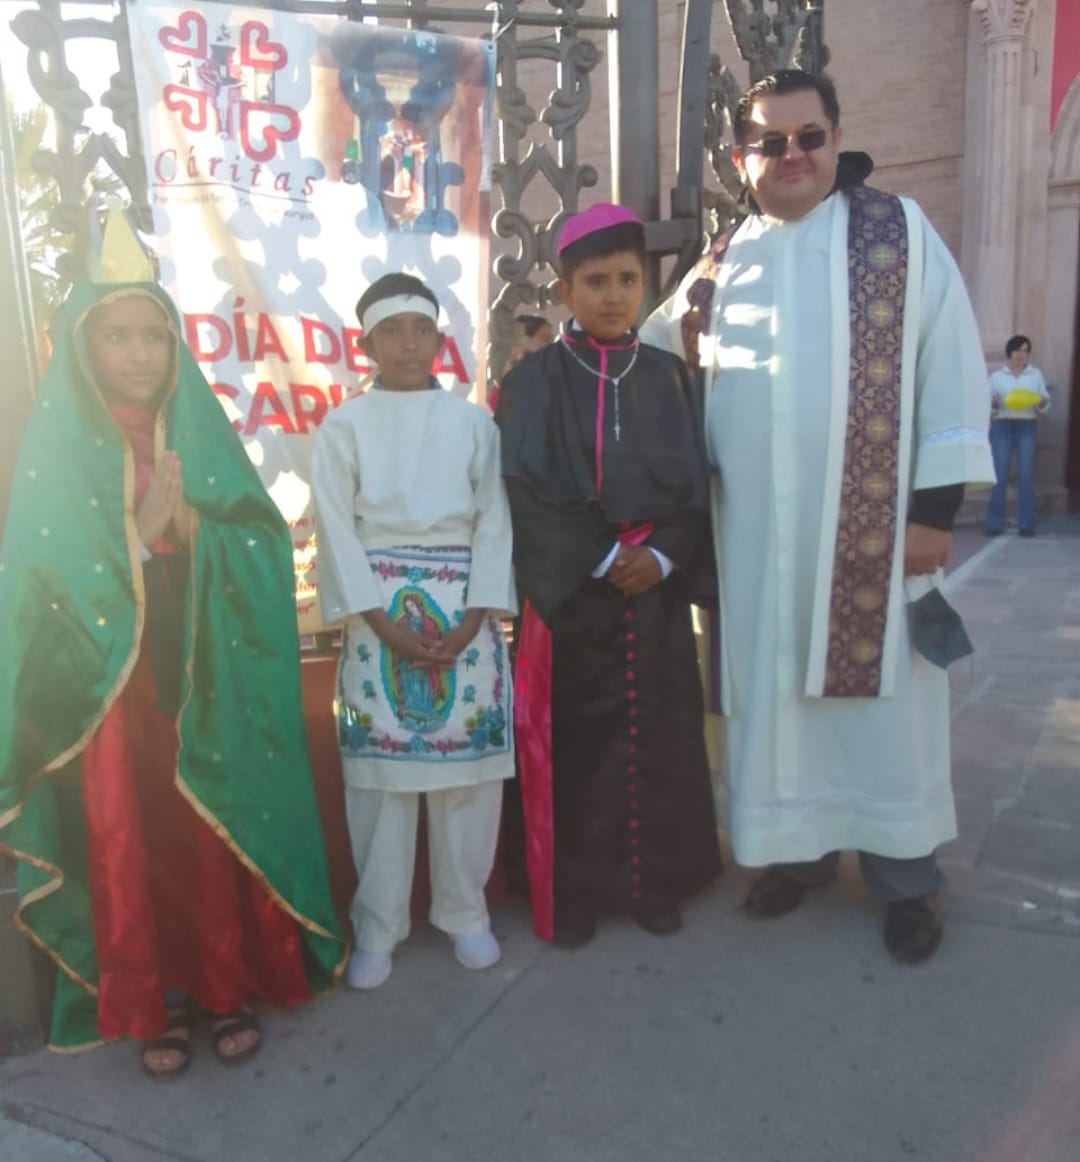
(1053, 795)
(977, 781)
(22, 1143)
(1016, 728)
(1026, 845)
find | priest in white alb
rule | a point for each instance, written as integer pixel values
(845, 411)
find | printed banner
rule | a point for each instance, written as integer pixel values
(292, 160)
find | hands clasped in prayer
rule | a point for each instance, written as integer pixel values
(163, 508)
(434, 653)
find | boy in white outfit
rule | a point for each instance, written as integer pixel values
(415, 558)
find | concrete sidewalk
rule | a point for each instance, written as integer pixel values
(737, 1041)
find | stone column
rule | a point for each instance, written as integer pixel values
(1004, 25)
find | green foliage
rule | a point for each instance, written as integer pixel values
(39, 198)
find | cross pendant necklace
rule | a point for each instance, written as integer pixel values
(614, 380)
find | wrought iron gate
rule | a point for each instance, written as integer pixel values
(561, 35)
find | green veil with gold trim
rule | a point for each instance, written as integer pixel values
(72, 610)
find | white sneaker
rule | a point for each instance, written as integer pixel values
(477, 950)
(367, 969)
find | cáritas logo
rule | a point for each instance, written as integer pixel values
(224, 84)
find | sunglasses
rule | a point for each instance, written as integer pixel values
(776, 144)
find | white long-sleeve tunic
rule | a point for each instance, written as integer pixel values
(396, 468)
(808, 774)
(412, 519)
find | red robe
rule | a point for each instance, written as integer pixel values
(173, 907)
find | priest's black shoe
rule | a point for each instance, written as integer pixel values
(774, 894)
(659, 915)
(913, 929)
(575, 925)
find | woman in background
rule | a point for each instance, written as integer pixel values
(1018, 396)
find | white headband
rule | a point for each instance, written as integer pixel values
(398, 305)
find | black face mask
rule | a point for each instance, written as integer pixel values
(937, 631)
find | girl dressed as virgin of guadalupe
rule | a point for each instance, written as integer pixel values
(155, 786)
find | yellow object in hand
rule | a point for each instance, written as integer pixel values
(1020, 399)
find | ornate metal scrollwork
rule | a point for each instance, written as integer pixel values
(77, 161)
(769, 34)
(779, 34)
(78, 154)
(574, 58)
(811, 53)
(724, 93)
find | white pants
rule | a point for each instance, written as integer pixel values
(463, 830)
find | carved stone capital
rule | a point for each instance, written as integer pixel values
(1004, 18)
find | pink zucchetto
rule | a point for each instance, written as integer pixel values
(602, 216)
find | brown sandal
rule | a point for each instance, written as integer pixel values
(177, 1017)
(229, 1025)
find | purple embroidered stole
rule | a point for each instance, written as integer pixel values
(869, 502)
(866, 525)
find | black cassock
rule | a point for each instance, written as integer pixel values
(631, 789)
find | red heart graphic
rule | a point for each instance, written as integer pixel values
(271, 134)
(258, 51)
(177, 39)
(189, 103)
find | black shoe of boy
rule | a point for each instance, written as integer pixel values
(575, 925)
(913, 929)
(657, 914)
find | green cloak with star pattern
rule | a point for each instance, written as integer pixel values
(72, 616)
